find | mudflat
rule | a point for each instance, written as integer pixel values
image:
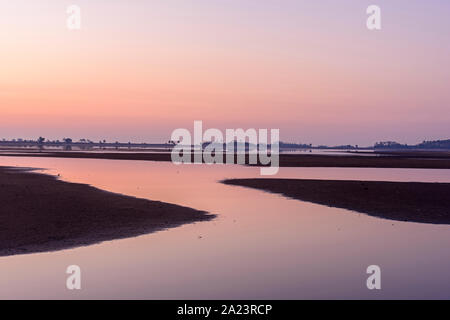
(402, 201)
(41, 213)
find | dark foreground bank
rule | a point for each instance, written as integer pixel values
(402, 201)
(40, 213)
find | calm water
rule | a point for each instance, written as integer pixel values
(260, 246)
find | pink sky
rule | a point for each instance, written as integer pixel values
(138, 70)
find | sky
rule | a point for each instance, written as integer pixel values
(137, 70)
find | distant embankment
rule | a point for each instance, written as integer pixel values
(411, 160)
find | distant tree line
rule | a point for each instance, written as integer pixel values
(68, 143)
(290, 145)
(436, 144)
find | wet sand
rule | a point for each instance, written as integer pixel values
(401, 201)
(40, 213)
(415, 160)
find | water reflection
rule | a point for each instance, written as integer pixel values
(260, 246)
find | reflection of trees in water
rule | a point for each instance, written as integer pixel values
(68, 144)
(40, 142)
